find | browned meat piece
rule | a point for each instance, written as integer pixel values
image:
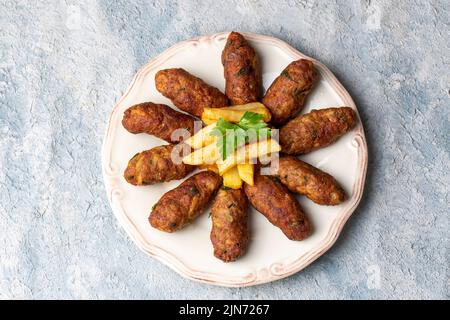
(180, 206)
(286, 95)
(187, 92)
(279, 206)
(242, 70)
(229, 233)
(157, 119)
(316, 129)
(154, 166)
(307, 180)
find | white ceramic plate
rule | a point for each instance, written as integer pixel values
(271, 255)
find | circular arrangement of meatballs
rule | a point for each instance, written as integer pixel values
(273, 194)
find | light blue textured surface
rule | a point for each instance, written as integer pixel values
(64, 64)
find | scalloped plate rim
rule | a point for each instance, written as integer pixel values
(270, 274)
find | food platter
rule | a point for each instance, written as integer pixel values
(271, 255)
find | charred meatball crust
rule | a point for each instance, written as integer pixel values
(154, 166)
(242, 70)
(187, 92)
(180, 206)
(229, 233)
(156, 119)
(279, 206)
(305, 179)
(316, 129)
(286, 95)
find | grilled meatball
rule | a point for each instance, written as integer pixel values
(158, 120)
(180, 206)
(187, 92)
(242, 70)
(229, 233)
(316, 129)
(155, 165)
(279, 206)
(303, 178)
(286, 95)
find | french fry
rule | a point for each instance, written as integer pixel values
(210, 167)
(208, 121)
(206, 155)
(246, 172)
(248, 152)
(202, 138)
(231, 179)
(248, 107)
(235, 113)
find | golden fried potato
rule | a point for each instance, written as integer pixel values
(206, 155)
(246, 172)
(248, 152)
(210, 167)
(202, 138)
(231, 179)
(234, 113)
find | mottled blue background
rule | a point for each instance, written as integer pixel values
(64, 64)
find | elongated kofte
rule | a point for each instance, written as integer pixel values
(316, 129)
(229, 233)
(279, 206)
(187, 92)
(178, 207)
(286, 95)
(158, 120)
(154, 166)
(303, 178)
(242, 70)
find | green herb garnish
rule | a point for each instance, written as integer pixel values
(244, 71)
(252, 120)
(231, 136)
(231, 205)
(298, 93)
(286, 74)
(193, 191)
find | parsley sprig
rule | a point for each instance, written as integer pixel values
(234, 135)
